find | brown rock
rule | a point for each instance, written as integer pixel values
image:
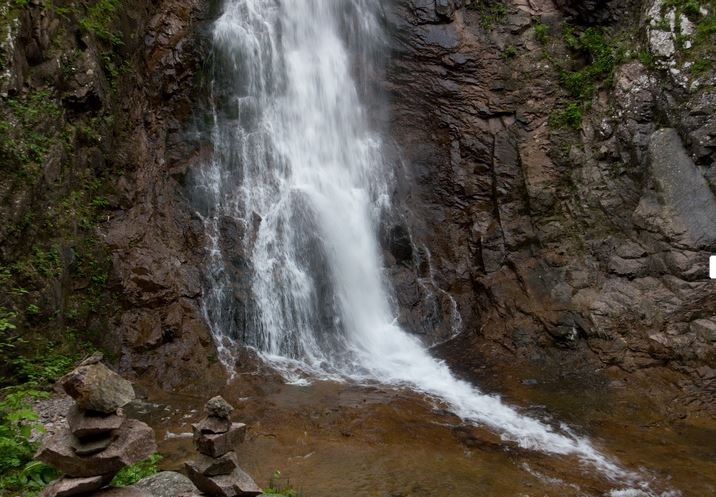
(218, 407)
(216, 445)
(95, 387)
(65, 487)
(237, 484)
(212, 424)
(135, 441)
(89, 423)
(213, 466)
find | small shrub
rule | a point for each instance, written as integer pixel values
(542, 32)
(18, 472)
(491, 12)
(571, 116)
(135, 472)
(278, 489)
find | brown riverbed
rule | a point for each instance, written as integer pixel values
(330, 439)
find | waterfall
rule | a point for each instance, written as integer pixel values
(298, 171)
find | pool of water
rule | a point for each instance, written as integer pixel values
(329, 439)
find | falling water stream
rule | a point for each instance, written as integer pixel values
(298, 170)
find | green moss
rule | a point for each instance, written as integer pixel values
(509, 52)
(542, 32)
(137, 471)
(569, 116)
(100, 18)
(491, 12)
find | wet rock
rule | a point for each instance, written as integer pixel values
(236, 484)
(212, 424)
(135, 441)
(219, 408)
(211, 466)
(216, 445)
(85, 424)
(66, 487)
(95, 387)
(167, 484)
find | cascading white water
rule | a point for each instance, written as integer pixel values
(298, 167)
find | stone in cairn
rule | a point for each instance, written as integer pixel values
(216, 471)
(100, 439)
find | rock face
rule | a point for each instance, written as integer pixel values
(66, 487)
(87, 424)
(556, 246)
(216, 471)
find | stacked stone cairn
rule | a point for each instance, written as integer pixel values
(100, 440)
(216, 471)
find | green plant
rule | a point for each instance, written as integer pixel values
(6, 319)
(509, 52)
(135, 472)
(18, 472)
(491, 12)
(571, 115)
(542, 32)
(278, 489)
(100, 19)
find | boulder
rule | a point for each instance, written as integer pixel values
(135, 441)
(95, 387)
(212, 424)
(218, 407)
(66, 487)
(85, 424)
(122, 492)
(236, 484)
(216, 445)
(211, 466)
(167, 484)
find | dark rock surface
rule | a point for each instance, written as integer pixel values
(557, 246)
(213, 466)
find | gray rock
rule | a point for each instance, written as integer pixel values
(218, 407)
(237, 484)
(212, 424)
(705, 329)
(167, 484)
(214, 466)
(89, 424)
(66, 487)
(681, 206)
(216, 445)
(122, 492)
(90, 446)
(95, 387)
(135, 441)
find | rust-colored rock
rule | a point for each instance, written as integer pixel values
(135, 441)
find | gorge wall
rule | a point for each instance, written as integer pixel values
(576, 244)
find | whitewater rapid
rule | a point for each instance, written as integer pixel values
(300, 168)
